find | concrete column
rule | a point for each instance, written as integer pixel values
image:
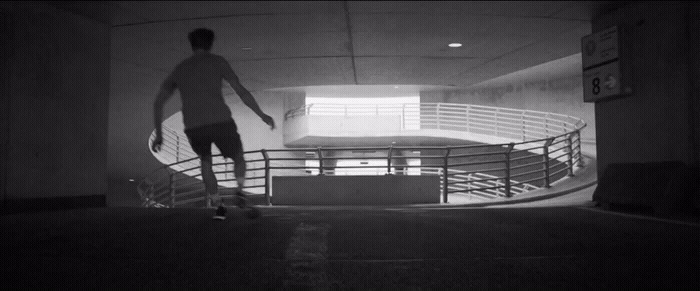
(6, 54)
(55, 98)
(656, 122)
(694, 37)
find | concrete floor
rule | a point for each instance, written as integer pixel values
(560, 242)
(535, 247)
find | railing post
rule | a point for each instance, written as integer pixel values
(320, 161)
(445, 171)
(469, 183)
(437, 115)
(267, 176)
(495, 117)
(388, 162)
(507, 181)
(580, 156)
(570, 155)
(546, 125)
(177, 148)
(403, 116)
(545, 157)
(171, 185)
(522, 123)
(469, 108)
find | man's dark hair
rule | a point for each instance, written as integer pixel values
(201, 38)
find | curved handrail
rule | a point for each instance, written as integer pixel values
(553, 139)
(515, 124)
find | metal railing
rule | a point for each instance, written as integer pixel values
(543, 148)
(514, 124)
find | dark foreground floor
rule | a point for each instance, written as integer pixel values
(531, 248)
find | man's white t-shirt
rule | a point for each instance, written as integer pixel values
(198, 78)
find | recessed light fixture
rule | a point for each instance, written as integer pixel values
(247, 48)
(131, 180)
(455, 44)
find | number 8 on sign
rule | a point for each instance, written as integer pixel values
(596, 86)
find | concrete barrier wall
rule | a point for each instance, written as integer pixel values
(355, 190)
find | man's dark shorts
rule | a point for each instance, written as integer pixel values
(223, 135)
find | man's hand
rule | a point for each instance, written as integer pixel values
(157, 142)
(271, 122)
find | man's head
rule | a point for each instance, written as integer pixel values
(201, 38)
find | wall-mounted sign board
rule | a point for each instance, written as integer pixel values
(601, 65)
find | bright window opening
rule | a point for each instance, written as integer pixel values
(377, 167)
(408, 108)
(365, 101)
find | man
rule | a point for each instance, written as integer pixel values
(206, 116)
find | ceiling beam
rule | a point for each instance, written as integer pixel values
(350, 43)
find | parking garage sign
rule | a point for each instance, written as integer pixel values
(601, 65)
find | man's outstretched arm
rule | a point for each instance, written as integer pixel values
(245, 95)
(165, 92)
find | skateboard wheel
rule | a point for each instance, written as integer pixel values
(252, 213)
(240, 202)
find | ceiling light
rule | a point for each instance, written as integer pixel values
(247, 48)
(131, 180)
(455, 44)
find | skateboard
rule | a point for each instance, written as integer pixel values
(250, 211)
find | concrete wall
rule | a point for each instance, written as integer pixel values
(355, 190)
(694, 38)
(551, 87)
(55, 94)
(658, 121)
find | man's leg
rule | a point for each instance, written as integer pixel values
(239, 169)
(212, 188)
(230, 145)
(210, 183)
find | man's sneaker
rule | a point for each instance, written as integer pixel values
(213, 200)
(241, 199)
(220, 213)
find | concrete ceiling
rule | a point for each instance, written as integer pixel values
(309, 43)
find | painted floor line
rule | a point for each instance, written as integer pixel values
(641, 217)
(306, 256)
(427, 259)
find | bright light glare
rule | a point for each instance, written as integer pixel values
(455, 44)
(367, 101)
